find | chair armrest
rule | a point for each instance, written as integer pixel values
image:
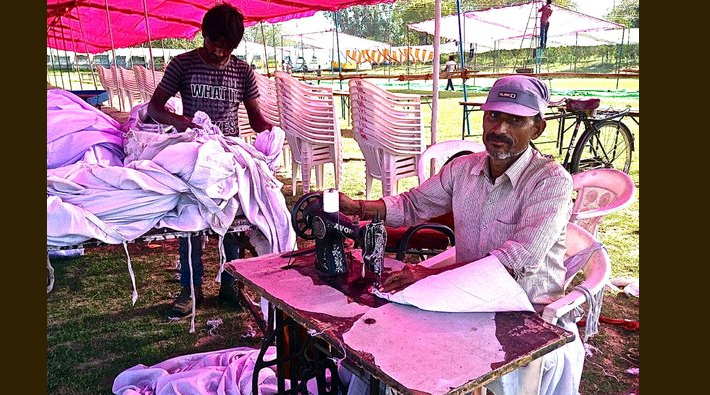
(597, 276)
(444, 259)
(404, 243)
(562, 306)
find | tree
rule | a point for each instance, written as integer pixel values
(626, 12)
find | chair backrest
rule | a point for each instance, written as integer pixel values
(441, 152)
(389, 129)
(600, 192)
(307, 116)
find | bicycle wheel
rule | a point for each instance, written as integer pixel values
(606, 144)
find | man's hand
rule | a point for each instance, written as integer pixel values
(410, 274)
(182, 122)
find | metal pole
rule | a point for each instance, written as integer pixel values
(337, 42)
(263, 41)
(150, 46)
(64, 40)
(407, 58)
(51, 58)
(435, 77)
(273, 41)
(91, 60)
(463, 60)
(576, 37)
(76, 63)
(621, 54)
(113, 51)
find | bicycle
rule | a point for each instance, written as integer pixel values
(606, 141)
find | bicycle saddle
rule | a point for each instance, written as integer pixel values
(582, 105)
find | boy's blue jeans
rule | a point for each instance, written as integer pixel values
(231, 250)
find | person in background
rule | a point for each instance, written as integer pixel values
(546, 11)
(470, 52)
(212, 80)
(450, 67)
(509, 202)
(319, 72)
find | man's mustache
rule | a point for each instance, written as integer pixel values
(500, 138)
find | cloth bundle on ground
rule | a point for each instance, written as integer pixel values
(76, 131)
(210, 373)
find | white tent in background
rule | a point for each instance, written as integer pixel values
(507, 27)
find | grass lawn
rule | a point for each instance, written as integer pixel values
(94, 333)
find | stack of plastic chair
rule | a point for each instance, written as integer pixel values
(130, 86)
(600, 192)
(389, 129)
(441, 152)
(309, 120)
(109, 81)
(147, 81)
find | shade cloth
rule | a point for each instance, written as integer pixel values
(98, 25)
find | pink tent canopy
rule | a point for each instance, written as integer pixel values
(98, 25)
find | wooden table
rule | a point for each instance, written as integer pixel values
(411, 350)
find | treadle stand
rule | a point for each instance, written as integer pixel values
(299, 357)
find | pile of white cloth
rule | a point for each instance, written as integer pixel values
(187, 181)
(76, 131)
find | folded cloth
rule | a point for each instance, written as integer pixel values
(478, 287)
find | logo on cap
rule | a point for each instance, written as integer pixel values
(509, 95)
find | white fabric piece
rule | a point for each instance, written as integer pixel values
(561, 370)
(185, 186)
(77, 131)
(223, 372)
(270, 143)
(480, 286)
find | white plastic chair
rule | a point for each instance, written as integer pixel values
(600, 192)
(130, 87)
(109, 81)
(307, 116)
(441, 152)
(389, 129)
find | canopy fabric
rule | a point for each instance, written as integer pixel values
(99, 25)
(507, 27)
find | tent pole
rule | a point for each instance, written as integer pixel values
(59, 65)
(150, 46)
(54, 74)
(81, 84)
(91, 60)
(337, 42)
(263, 41)
(115, 64)
(463, 61)
(435, 77)
(576, 37)
(408, 45)
(273, 41)
(64, 40)
(621, 54)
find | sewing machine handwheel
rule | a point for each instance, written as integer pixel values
(298, 215)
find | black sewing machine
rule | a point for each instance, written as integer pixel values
(329, 229)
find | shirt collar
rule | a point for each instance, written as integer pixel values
(514, 171)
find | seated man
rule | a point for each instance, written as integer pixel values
(509, 202)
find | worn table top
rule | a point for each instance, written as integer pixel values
(412, 350)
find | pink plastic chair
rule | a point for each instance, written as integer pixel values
(600, 192)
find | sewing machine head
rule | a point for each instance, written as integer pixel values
(316, 216)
